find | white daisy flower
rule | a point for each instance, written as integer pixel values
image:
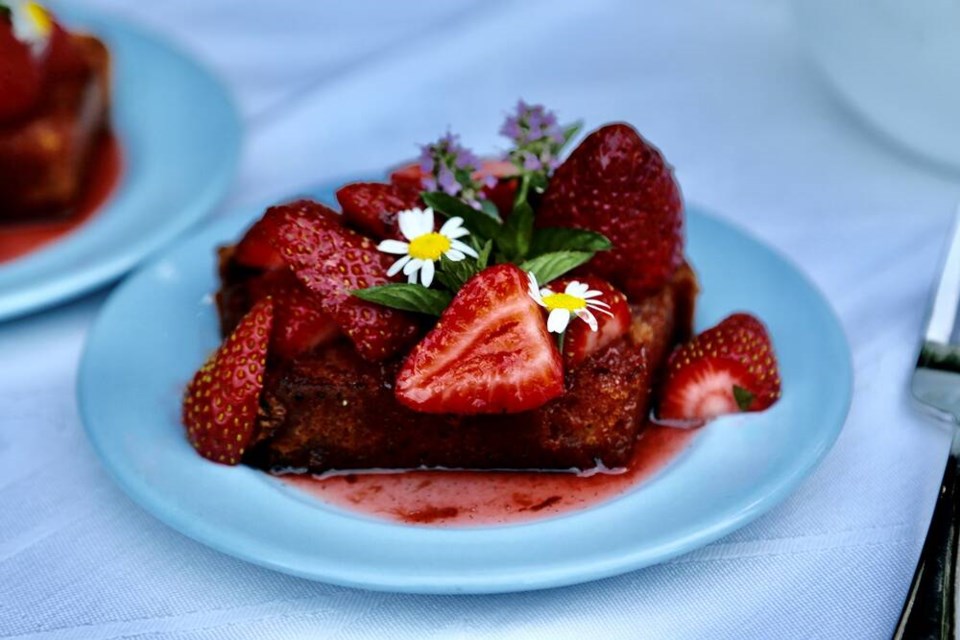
(576, 300)
(425, 245)
(32, 24)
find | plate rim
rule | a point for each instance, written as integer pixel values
(67, 284)
(549, 577)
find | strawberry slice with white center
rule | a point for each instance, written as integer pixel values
(726, 369)
(332, 261)
(220, 403)
(580, 341)
(489, 352)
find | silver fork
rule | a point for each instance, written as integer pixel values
(931, 605)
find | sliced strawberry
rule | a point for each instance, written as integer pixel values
(489, 353)
(501, 193)
(580, 341)
(618, 184)
(299, 322)
(333, 261)
(220, 403)
(728, 368)
(64, 57)
(255, 248)
(21, 75)
(372, 207)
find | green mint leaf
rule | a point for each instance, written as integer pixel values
(5, 12)
(514, 237)
(453, 275)
(539, 182)
(551, 266)
(484, 255)
(743, 397)
(570, 131)
(406, 297)
(566, 239)
(490, 209)
(478, 222)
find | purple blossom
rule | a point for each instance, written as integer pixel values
(489, 181)
(429, 183)
(537, 138)
(447, 181)
(465, 159)
(511, 128)
(530, 161)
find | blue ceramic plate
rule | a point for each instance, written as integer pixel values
(161, 324)
(180, 138)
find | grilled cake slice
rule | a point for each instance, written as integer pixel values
(45, 156)
(329, 409)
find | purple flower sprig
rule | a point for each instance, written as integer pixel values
(537, 141)
(450, 167)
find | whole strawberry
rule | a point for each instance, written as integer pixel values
(220, 403)
(618, 184)
(372, 207)
(726, 369)
(21, 75)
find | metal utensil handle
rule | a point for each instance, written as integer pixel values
(930, 608)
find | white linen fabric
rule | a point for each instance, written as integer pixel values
(331, 90)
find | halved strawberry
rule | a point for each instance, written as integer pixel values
(220, 403)
(372, 207)
(256, 249)
(21, 75)
(501, 193)
(579, 341)
(728, 368)
(489, 353)
(331, 262)
(618, 184)
(299, 322)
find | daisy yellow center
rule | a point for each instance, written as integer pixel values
(564, 301)
(40, 18)
(429, 246)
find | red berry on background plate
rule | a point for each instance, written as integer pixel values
(331, 262)
(220, 404)
(618, 184)
(21, 75)
(580, 341)
(726, 369)
(372, 207)
(489, 352)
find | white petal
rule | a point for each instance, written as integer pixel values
(576, 289)
(426, 273)
(593, 293)
(424, 222)
(394, 246)
(558, 320)
(598, 304)
(587, 317)
(465, 248)
(412, 266)
(532, 289)
(396, 266)
(412, 278)
(596, 307)
(546, 291)
(455, 255)
(451, 226)
(408, 223)
(458, 233)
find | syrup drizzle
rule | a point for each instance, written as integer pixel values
(471, 498)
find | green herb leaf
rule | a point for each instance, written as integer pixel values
(571, 130)
(483, 258)
(453, 275)
(407, 297)
(566, 239)
(743, 397)
(551, 266)
(490, 209)
(514, 237)
(478, 222)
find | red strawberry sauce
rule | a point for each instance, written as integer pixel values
(465, 498)
(19, 239)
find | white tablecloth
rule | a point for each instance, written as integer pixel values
(334, 90)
